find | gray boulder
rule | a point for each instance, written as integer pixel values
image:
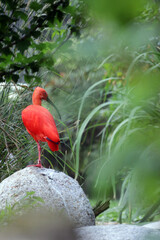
(154, 225)
(59, 192)
(117, 232)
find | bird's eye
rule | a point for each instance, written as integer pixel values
(44, 95)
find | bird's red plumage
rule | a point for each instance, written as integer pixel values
(40, 124)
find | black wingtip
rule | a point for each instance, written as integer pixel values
(52, 141)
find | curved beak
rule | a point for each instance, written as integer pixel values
(49, 101)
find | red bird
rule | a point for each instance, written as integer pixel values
(40, 123)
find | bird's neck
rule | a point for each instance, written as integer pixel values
(36, 100)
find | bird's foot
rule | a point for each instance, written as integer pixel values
(39, 165)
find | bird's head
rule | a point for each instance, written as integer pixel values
(40, 94)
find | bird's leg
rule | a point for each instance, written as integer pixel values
(39, 158)
(39, 154)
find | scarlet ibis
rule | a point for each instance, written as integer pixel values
(40, 123)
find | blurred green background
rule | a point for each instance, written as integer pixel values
(100, 64)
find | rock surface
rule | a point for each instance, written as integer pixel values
(154, 225)
(117, 232)
(59, 192)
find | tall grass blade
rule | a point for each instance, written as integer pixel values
(82, 129)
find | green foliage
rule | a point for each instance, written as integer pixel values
(122, 11)
(15, 146)
(129, 151)
(26, 28)
(9, 213)
(111, 215)
(124, 155)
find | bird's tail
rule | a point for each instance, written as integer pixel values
(54, 146)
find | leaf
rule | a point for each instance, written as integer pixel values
(5, 18)
(20, 14)
(39, 199)
(28, 78)
(35, 6)
(34, 66)
(36, 34)
(6, 51)
(37, 79)
(15, 78)
(65, 3)
(23, 45)
(30, 193)
(19, 57)
(2, 59)
(60, 15)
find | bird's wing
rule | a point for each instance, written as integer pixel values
(40, 123)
